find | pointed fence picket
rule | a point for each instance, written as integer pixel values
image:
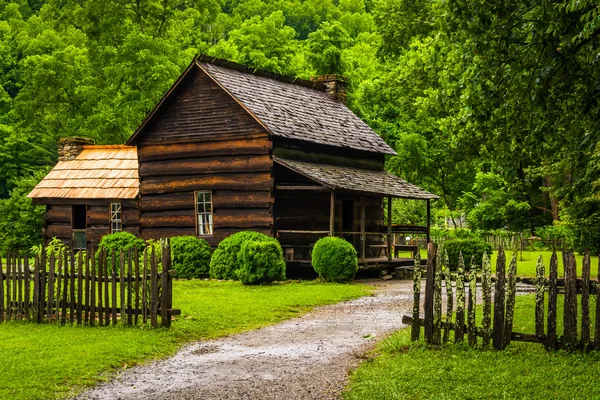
(498, 328)
(88, 287)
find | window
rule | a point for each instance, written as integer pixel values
(204, 213)
(79, 225)
(116, 220)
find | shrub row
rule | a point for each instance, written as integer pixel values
(472, 249)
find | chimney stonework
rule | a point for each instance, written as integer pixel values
(335, 86)
(69, 148)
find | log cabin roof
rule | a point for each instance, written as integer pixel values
(342, 178)
(98, 172)
(286, 107)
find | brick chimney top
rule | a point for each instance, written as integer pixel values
(70, 147)
(335, 86)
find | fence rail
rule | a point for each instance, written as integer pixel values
(497, 328)
(88, 287)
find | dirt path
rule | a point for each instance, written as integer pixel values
(302, 358)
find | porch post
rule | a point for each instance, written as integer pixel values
(428, 219)
(332, 214)
(363, 237)
(389, 229)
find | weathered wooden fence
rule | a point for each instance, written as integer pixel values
(497, 328)
(88, 287)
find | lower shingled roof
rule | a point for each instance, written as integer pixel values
(357, 179)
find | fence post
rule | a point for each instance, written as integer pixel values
(1, 292)
(429, 290)
(437, 298)
(585, 301)
(570, 306)
(498, 328)
(449, 298)
(511, 292)
(597, 325)
(552, 300)
(486, 288)
(460, 300)
(416, 324)
(471, 328)
(539, 296)
(166, 290)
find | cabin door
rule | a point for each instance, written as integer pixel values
(348, 220)
(79, 225)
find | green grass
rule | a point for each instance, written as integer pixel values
(50, 361)
(412, 370)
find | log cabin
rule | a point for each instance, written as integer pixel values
(228, 148)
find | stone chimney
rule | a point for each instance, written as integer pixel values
(70, 147)
(335, 86)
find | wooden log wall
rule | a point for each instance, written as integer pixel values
(203, 140)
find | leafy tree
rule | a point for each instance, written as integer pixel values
(325, 48)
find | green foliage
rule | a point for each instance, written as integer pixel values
(21, 222)
(558, 236)
(260, 262)
(325, 48)
(191, 257)
(224, 261)
(334, 259)
(119, 242)
(472, 249)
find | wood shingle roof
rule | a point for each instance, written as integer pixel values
(98, 172)
(357, 179)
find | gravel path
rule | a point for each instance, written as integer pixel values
(302, 358)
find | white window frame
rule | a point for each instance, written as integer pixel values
(204, 218)
(116, 217)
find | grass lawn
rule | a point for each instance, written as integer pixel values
(51, 361)
(410, 370)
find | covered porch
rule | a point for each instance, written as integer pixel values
(353, 203)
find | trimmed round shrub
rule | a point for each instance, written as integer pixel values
(119, 241)
(471, 249)
(260, 262)
(191, 257)
(334, 259)
(224, 261)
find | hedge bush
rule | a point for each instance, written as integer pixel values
(470, 248)
(260, 262)
(224, 261)
(191, 257)
(120, 241)
(334, 259)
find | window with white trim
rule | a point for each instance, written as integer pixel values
(116, 217)
(204, 213)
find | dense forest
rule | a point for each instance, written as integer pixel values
(493, 105)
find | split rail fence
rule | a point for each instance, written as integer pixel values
(88, 287)
(496, 328)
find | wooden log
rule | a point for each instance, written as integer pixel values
(256, 181)
(597, 325)
(207, 165)
(113, 274)
(122, 287)
(51, 276)
(486, 289)
(363, 238)
(60, 231)
(165, 318)
(499, 296)
(540, 286)
(416, 327)
(72, 289)
(437, 299)
(65, 284)
(79, 308)
(449, 297)
(460, 300)
(511, 293)
(136, 288)
(129, 285)
(332, 214)
(58, 214)
(429, 291)
(570, 304)
(101, 261)
(471, 311)
(92, 302)
(153, 289)
(585, 301)
(199, 149)
(27, 274)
